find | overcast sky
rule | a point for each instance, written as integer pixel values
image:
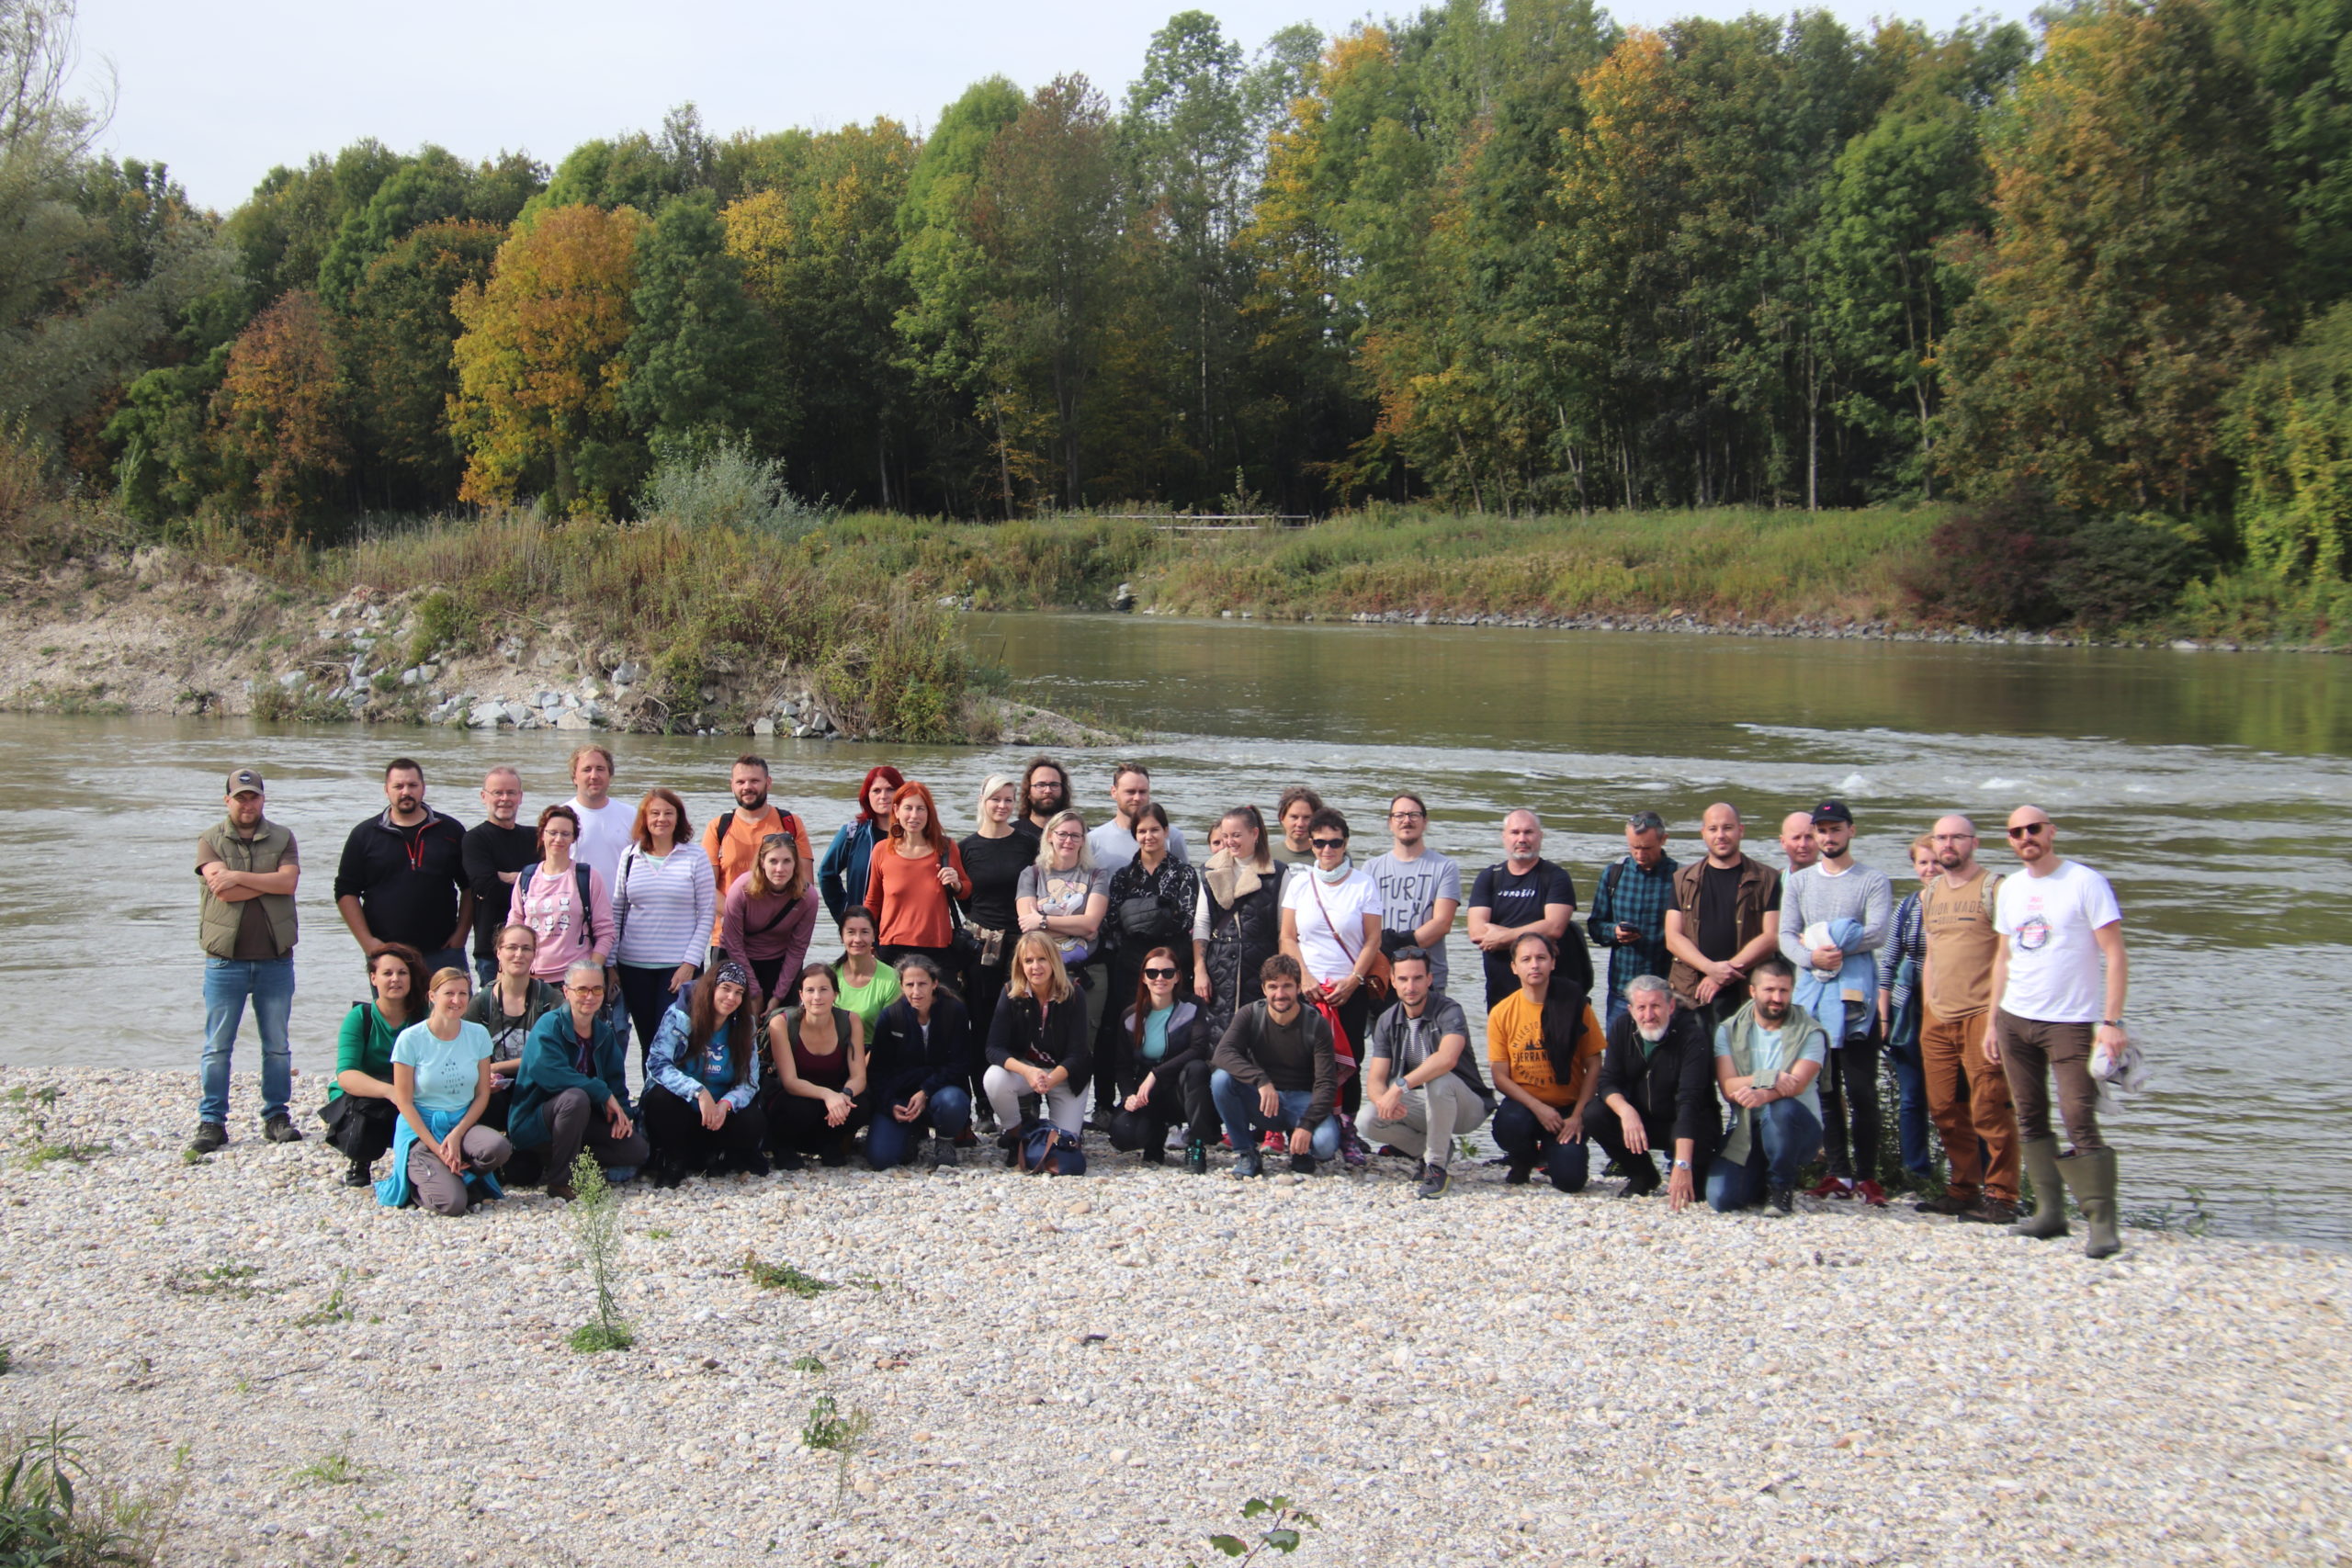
(222, 89)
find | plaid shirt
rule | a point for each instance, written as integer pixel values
(1631, 897)
(1909, 942)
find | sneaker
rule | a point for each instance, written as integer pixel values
(1831, 1187)
(1869, 1193)
(1783, 1200)
(942, 1152)
(281, 1129)
(1302, 1164)
(1637, 1186)
(1196, 1157)
(1947, 1205)
(1248, 1163)
(1275, 1142)
(836, 1152)
(1517, 1174)
(210, 1135)
(967, 1139)
(357, 1175)
(1988, 1209)
(790, 1161)
(1434, 1181)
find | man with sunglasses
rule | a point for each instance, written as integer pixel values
(1629, 911)
(1834, 892)
(2060, 928)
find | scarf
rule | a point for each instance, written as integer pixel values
(1229, 880)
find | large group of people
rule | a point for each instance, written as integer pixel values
(1286, 999)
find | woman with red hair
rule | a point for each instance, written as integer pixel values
(844, 867)
(913, 878)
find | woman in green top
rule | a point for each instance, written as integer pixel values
(868, 985)
(360, 1114)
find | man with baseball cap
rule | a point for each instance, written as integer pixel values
(1833, 915)
(245, 923)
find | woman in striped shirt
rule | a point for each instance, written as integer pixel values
(665, 900)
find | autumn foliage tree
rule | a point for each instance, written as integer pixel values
(280, 413)
(539, 370)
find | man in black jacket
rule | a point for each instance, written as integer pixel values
(1658, 1078)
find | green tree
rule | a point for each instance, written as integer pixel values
(432, 187)
(2289, 428)
(698, 351)
(401, 330)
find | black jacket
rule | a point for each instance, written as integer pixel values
(901, 1062)
(1676, 1088)
(407, 879)
(1187, 1042)
(1043, 1037)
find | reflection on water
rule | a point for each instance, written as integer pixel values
(2215, 790)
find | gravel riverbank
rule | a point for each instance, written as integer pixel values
(1101, 1371)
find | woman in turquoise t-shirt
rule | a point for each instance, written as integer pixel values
(441, 1156)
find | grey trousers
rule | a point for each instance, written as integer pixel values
(572, 1122)
(443, 1191)
(1434, 1116)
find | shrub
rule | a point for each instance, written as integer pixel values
(728, 485)
(2116, 570)
(595, 1217)
(51, 1513)
(1993, 564)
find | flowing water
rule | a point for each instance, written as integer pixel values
(2215, 790)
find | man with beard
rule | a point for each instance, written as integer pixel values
(1767, 1057)
(1967, 1095)
(403, 876)
(1725, 917)
(1835, 914)
(1045, 790)
(1798, 843)
(731, 841)
(1657, 1083)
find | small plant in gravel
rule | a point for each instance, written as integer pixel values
(51, 1513)
(804, 1362)
(840, 1432)
(193, 1156)
(230, 1281)
(335, 1309)
(783, 1277)
(595, 1219)
(7, 1360)
(335, 1469)
(1280, 1532)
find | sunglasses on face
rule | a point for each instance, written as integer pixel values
(1160, 973)
(2028, 830)
(1329, 843)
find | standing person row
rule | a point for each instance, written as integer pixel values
(913, 879)
(665, 905)
(1835, 915)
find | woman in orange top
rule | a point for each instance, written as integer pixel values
(913, 879)
(1543, 1043)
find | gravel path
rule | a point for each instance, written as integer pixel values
(1101, 1371)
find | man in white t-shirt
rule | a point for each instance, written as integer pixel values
(2060, 928)
(1331, 919)
(1113, 844)
(604, 825)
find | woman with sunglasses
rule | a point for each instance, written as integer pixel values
(1151, 900)
(1332, 919)
(1166, 1077)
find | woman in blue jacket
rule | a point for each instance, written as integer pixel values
(573, 1089)
(842, 874)
(917, 1067)
(702, 1071)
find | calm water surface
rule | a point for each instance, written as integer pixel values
(2214, 789)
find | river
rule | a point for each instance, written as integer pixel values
(2215, 790)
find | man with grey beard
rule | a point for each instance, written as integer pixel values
(1658, 1081)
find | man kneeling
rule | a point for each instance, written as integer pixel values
(1767, 1057)
(1421, 1086)
(1276, 1072)
(1658, 1081)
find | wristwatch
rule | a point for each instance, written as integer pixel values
(2110, 1023)
(1681, 1165)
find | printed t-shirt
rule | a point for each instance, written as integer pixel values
(1512, 900)
(1064, 893)
(2055, 974)
(1410, 890)
(1515, 1039)
(446, 1070)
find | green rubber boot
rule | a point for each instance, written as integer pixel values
(2091, 1177)
(2049, 1217)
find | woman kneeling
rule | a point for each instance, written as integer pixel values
(698, 1110)
(921, 1059)
(441, 1156)
(815, 1089)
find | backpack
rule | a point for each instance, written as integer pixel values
(579, 874)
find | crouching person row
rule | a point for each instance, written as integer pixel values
(443, 1159)
(815, 1097)
(1657, 1092)
(1276, 1072)
(922, 1060)
(700, 1115)
(1165, 1077)
(1039, 1061)
(572, 1088)
(1544, 1044)
(1421, 1083)
(1768, 1056)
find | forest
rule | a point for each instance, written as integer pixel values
(2088, 277)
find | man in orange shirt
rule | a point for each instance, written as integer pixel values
(732, 838)
(1545, 1051)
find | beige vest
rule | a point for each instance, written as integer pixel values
(217, 922)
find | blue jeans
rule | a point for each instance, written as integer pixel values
(485, 971)
(228, 983)
(1616, 1006)
(1911, 1110)
(1236, 1107)
(890, 1141)
(1784, 1136)
(1525, 1143)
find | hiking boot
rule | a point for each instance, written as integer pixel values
(667, 1174)
(1518, 1172)
(1948, 1206)
(790, 1161)
(1642, 1181)
(1783, 1200)
(210, 1135)
(357, 1175)
(967, 1139)
(1156, 1155)
(1248, 1163)
(1196, 1157)
(2091, 1177)
(755, 1166)
(1434, 1181)
(281, 1129)
(2039, 1156)
(1302, 1164)
(1869, 1193)
(1831, 1187)
(836, 1152)
(943, 1152)
(1989, 1210)
(564, 1191)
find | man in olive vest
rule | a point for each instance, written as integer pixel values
(246, 925)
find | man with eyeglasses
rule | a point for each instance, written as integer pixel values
(2054, 1013)
(1629, 911)
(1834, 915)
(1420, 888)
(1967, 1095)
(493, 851)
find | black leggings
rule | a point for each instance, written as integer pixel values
(674, 1128)
(797, 1124)
(646, 993)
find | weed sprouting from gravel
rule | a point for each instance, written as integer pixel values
(55, 1509)
(804, 1362)
(1280, 1532)
(223, 1281)
(333, 1469)
(335, 1309)
(842, 1432)
(595, 1219)
(783, 1277)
